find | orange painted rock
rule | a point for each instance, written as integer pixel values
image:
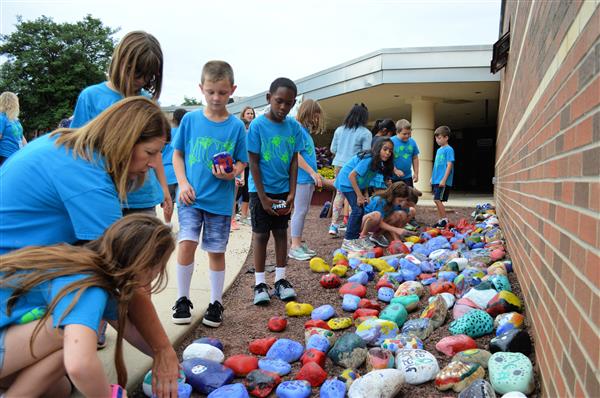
(241, 364)
(438, 287)
(312, 373)
(261, 346)
(277, 324)
(365, 312)
(316, 323)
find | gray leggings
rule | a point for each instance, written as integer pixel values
(302, 200)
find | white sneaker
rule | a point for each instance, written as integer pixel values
(351, 245)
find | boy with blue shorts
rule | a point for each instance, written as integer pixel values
(206, 191)
(442, 174)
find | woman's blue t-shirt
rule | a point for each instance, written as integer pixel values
(309, 155)
(12, 135)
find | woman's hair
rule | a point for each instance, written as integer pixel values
(413, 195)
(244, 111)
(132, 246)
(306, 116)
(395, 190)
(114, 133)
(137, 56)
(386, 168)
(9, 104)
(384, 124)
(178, 115)
(357, 117)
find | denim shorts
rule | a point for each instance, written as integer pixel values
(2, 347)
(215, 228)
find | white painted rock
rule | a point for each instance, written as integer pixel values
(204, 351)
(382, 383)
(448, 298)
(481, 297)
(417, 366)
(514, 394)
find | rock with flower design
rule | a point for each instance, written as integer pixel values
(402, 341)
(511, 371)
(458, 375)
(418, 366)
(475, 324)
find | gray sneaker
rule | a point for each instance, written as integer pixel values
(261, 294)
(284, 290)
(351, 245)
(365, 243)
(298, 254)
(379, 240)
(308, 251)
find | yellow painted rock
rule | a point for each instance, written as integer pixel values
(412, 239)
(338, 257)
(340, 270)
(497, 268)
(298, 309)
(317, 264)
(381, 265)
(339, 323)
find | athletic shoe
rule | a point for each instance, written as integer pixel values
(333, 231)
(214, 315)
(365, 243)
(342, 227)
(308, 251)
(442, 222)
(245, 221)
(379, 240)
(261, 294)
(101, 342)
(182, 314)
(298, 254)
(284, 290)
(351, 245)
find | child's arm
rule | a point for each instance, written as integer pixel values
(167, 203)
(446, 174)
(415, 163)
(293, 180)
(267, 203)
(186, 193)
(360, 198)
(305, 166)
(133, 337)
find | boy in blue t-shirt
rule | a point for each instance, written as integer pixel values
(443, 173)
(274, 141)
(406, 154)
(206, 191)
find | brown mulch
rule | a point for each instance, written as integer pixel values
(244, 322)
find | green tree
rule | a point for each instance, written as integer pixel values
(48, 64)
(190, 101)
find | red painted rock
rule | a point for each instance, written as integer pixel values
(316, 323)
(383, 282)
(454, 344)
(277, 324)
(330, 281)
(438, 287)
(365, 312)
(447, 234)
(462, 306)
(397, 247)
(378, 252)
(341, 261)
(312, 373)
(353, 288)
(313, 355)
(497, 254)
(379, 358)
(369, 303)
(241, 364)
(260, 383)
(433, 232)
(425, 276)
(503, 302)
(261, 346)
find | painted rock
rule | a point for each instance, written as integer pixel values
(349, 351)
(260, 383)
(476, 355)
(500, 282)
(339, 323)
(293, 389)
(420, 328)
(275, 366)
(385, 294)
(480, 297)
(409, 271)
(286, 350)
(330, 281)
(410, 287)
(204, 351)
(379, 358)
(368, 268)
(462, 307)
(333, 388)
(318, 342)
(147, 382)
(458, 375)
(211, 341)
(395, 313)
(339, 254)
(339, 270)
(375, 331)
(241, 364)
(317, 264)
(498, 268)
(446, 276)
(511, 371)
(382, 383)
(298, 309)
(205, 375)
(277, 324)
(328, 334)
(508, 321)
(380, 265)
(313, 355)
(504, 302)
(410, 302)
(316, 323)
(475, 324)
(514, 340)
(402, 341)
(451, 345)
(478, 389)
(514, 394)
(369, 303)
(365, 312)
(353, 288)
(323, 312)
(436, 312)
(398, 247)
(360, 277)
(417, 366)
(384, 282)
(261, 346)
(237, 390)
(348, 376)
(350, 302)
(312, 373)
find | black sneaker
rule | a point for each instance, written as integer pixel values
(261, 294)
(182, 314)
(284, 290)
(379, 240)
(214, 315)
(442, 222)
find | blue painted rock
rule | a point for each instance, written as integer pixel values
(417, 366)
(409, 271)
(447, 276)
(402, 341)
(420, 328)
(476, 355)
(448, 298)
(410, 302)
(260, 383)
(503, 302)
(353, 288)
(436, 312)
(395, 313)
(318, 342)
(360, 277)
(349, 351)
(210, 340)
(514, 340)
(286, 350)
(395, 278)
(429, 281)
(241, 364)
(511, 371)
(275, 366)
(458, 375)
(147, 382)
(323, 312)
(500, 282)
(478, 389)
(375, 331)
(475, 324)
(368, 269)
(427, 267)
(328, 334)
(237, 390)
(382, 383)
(451, 345)
(348, 376)
(350, 302)
(379, 358)
(205, 375)
(385, 294)
(293, 389)
(410, 287)
(312, 373)
(462, 307)
(333, 388)
(205, 351)
(508, 321)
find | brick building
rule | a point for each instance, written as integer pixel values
(548, 182)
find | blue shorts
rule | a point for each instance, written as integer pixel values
(215, 235)
(2, 348)
(440, 193)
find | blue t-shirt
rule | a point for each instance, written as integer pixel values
(12, 135)
(47, 196)
(404, 151)
(93, 305)
(276, 144)
(199, 139)
(309, 155)
(348, 142)
(94, 100)
(443, 155)
(364, 174)
(167, 158)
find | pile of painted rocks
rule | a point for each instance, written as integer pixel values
(465, 269)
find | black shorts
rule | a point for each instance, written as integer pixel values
(440, 193)
(173, 192)
(243, 190)
(263, 222)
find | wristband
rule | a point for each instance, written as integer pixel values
(116, 391)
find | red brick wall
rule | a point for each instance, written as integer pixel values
(548, 186)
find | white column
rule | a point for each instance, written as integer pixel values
(423, 124)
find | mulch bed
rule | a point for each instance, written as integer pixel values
(244, 322)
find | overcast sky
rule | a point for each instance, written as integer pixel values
(265, 39)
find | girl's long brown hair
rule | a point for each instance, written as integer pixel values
(133, 246)
(395, 190)
(306, 116)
